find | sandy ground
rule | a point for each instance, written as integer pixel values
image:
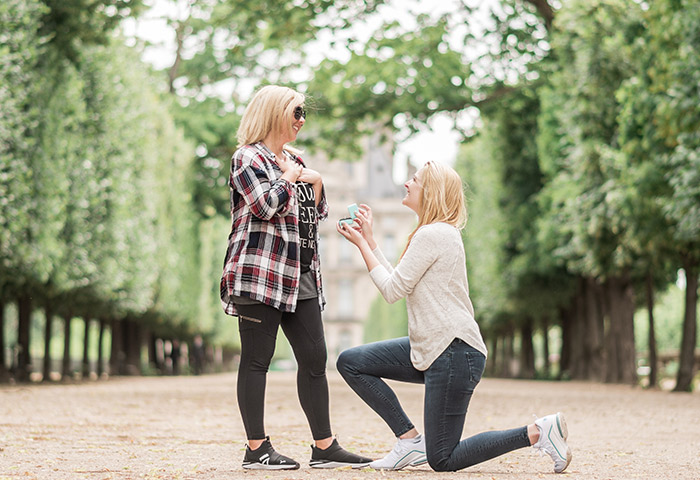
(189, 428)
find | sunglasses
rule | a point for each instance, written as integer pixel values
(299, 112)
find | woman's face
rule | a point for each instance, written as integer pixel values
(414, 189)
(298, 120)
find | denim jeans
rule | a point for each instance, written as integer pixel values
(449, 385)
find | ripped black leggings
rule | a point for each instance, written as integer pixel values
(258, 325)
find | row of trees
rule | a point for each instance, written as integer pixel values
(598, 187)
(582, 124)
(96, 206)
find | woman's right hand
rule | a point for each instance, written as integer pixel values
(290, 169)
(365, 221)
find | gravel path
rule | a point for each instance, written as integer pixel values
(189, 428)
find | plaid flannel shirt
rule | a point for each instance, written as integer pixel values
(262, 259)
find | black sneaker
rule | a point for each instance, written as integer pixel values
(265, 458)
(334, 457)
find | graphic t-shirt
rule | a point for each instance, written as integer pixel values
(307, 224)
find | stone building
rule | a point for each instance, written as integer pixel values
(348, 289)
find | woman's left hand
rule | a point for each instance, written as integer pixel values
(310, 176)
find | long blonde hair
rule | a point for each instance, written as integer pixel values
(441, 199)
(270, 111)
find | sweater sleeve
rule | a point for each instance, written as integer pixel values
(397, 283)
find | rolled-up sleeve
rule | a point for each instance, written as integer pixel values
(266, 198)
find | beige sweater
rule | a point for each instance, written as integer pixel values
(432, 275)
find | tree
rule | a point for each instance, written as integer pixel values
(586, 197)
(660, 125)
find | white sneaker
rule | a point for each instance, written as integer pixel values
(406, 452)
(553, 435)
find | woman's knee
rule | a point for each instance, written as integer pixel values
(439, 462)
(348, 359)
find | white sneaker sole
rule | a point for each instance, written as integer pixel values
(411, 459)
(564, 429)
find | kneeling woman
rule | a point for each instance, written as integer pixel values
(444, 349)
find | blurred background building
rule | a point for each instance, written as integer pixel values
(347, 286)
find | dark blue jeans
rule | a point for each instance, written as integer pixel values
(449, 385)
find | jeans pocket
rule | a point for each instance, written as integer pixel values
(477, 362)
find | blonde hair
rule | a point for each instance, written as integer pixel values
(441, 199)
(270, 111)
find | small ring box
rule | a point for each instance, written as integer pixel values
(352, 209)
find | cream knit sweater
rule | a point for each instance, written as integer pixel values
(432, 275)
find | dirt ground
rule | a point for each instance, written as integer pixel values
(189, 428)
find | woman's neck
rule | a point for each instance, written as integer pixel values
(275, 145)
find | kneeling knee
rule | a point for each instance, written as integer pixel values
(439, 464)
(346, 361)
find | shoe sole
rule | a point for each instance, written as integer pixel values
(401, 464)
(561, 423)
(262, 466)
(321, 464)
(564, 430)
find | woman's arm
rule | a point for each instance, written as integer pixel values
(396, 284)
(266, 197)
(314, 178)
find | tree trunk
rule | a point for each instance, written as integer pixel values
(4, 373)
(592, 339)
(684, 381)
(116, 358)
(86, 345)
(527, 350)
(132, 347)
(545, 347)
(100, 355)
(579, 363)
(653, 362)
(153, 360)
(24, 305)
(48, 331)
(508, 355)
(566, 340)
(66, 373)
(493, 357)
(621, 364)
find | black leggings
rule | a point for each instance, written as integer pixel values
(258, 325)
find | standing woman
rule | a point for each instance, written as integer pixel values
(444, 349)
(272, 274)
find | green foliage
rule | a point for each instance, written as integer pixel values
(414, 73)
(71, 25)
(20, 47)
(586, 201)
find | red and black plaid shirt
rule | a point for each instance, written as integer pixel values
(262, 259)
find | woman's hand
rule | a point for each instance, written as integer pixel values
(310, 176)
(365, 221)
(291, 170)
(351, 233)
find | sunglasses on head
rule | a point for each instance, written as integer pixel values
(299, 112)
